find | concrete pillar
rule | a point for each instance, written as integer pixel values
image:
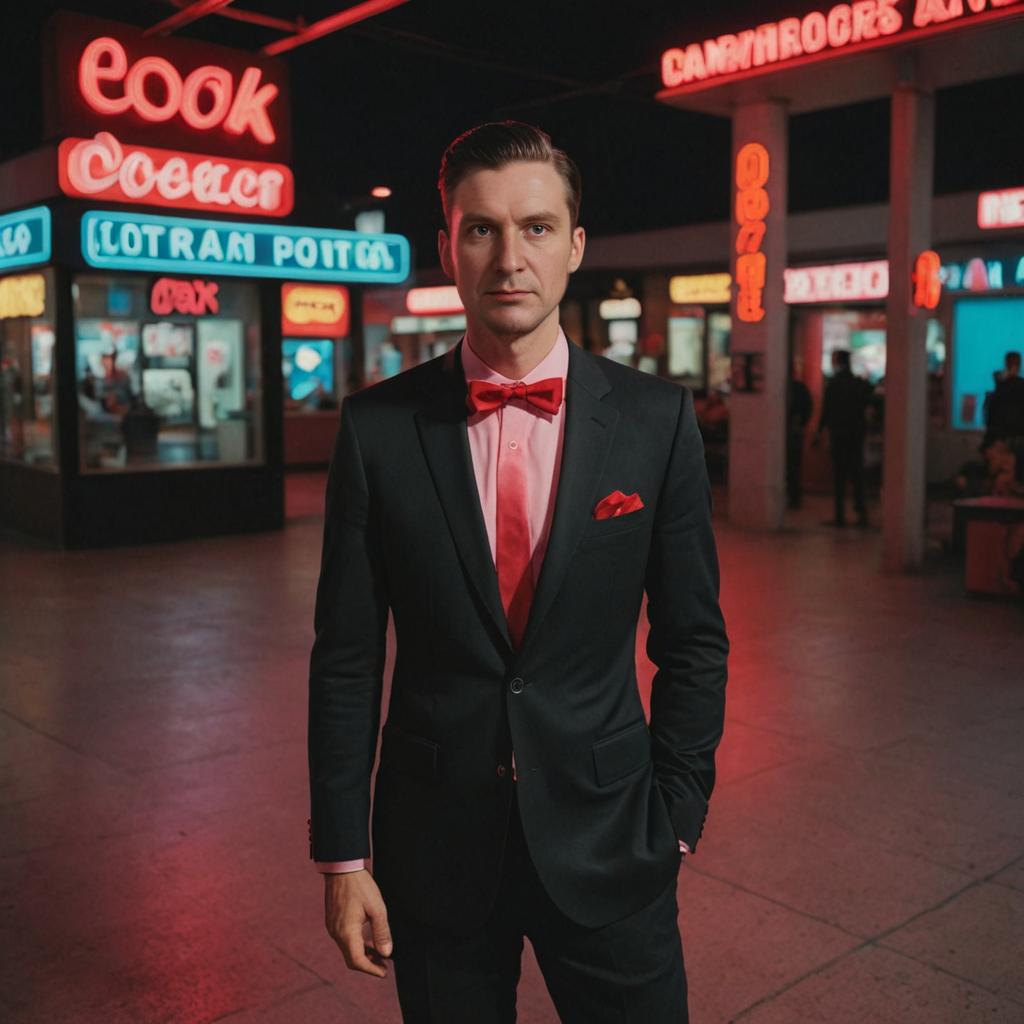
(757, 450)
(912, 135)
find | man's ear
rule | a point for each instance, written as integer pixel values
(444, 251)
(579, 241)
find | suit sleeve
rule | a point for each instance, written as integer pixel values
(347, 659)
(687, 640)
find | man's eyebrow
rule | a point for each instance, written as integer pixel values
(530, 218)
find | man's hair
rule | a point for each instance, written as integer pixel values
(1012, 359)
(495, 145)
(841, 357)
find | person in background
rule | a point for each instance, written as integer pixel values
(1004, 411)
(799, 407)
(842, 415)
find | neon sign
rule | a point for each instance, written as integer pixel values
(25, 237)
(314, 311)
(927, 280)
(837, 282)
(709, 288)
(818, 35)
(436, 301)
(620, 309)
(101, 168)
(752, 207)
(122, 241)
(238, 109)
(194, 298)
(981, 275)
(1003, 209)
(22, 295)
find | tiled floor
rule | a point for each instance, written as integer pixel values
(863, 860)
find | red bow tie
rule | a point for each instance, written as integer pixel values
(484, 395)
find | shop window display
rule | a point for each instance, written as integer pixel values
(159, 390)
(308, 365)
(984, 330)
(27, 333)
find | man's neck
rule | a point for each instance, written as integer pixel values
(514, 357)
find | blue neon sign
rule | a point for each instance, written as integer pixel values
(25, 237)
(130, 241)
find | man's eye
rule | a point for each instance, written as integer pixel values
(480, 230)
(538, 229)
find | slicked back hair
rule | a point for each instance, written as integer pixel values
(495, 145)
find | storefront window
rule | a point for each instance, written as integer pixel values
(719, 359)
(27, 333)
(686, 350)
(311, 368)
(168, 372)
(984, 330)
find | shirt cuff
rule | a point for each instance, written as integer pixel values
(339, 867)
(683, 848)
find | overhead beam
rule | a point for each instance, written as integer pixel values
(332, 23)
(193, 12)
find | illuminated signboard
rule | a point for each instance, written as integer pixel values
(435, 301)
(194, 298)
(984, 275)
(314, 311)
(163, 91)
(427, 324)
(125, 241)
(1003, 209)
(709, 288)
(101, 168)
(619, 309)
(25, 237)
(751, 210)
(819, 35)
(927, 280)
(837, 282)
(22, 295)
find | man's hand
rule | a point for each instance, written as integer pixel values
(350, 900)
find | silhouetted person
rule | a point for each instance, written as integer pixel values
(842, 415)
(799, 406)
(1005, 408)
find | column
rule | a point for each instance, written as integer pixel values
(757, 450)
(906, 368)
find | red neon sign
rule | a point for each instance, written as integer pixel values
(752, 207)
(1003, 209)
(193, 298)
(822, 34)
(101, 168)
(315, 311)
(434, 301)
(154, 89)
(837, 282)
(927, 280)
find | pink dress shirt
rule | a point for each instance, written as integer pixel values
(540, 435)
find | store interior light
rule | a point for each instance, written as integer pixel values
(380, 192)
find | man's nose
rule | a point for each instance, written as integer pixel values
(509, 255)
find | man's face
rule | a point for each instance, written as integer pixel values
(511, 246)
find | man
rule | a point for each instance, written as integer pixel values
(842, 415)
(799, 409)
(512, 534)
(1004, 410)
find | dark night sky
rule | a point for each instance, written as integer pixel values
(377, 103)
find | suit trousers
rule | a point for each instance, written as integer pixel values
(626, 972)
(848, 464)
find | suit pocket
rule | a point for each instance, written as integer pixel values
(403, 752)
(622, 753)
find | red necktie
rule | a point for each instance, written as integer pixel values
(484, 395)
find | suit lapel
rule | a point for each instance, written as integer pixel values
(589, 429)
(443, 434)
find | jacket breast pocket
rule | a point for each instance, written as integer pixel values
(403, 752)
(622, 753)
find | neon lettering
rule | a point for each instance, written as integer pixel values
(104, 62)
(752, 206)
(102, 168)
(1003, 209)
(927, 280)
(193, 298)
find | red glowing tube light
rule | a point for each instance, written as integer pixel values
(102, 168)
(1003, 209)
(752, 206)
(238, 109)
(927, 280)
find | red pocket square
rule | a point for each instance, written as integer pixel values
(617, 504)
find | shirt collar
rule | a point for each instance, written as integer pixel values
(554, 364)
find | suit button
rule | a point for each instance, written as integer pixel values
(501, 771)
(516, 686)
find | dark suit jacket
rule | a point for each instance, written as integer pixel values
(603, 798)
